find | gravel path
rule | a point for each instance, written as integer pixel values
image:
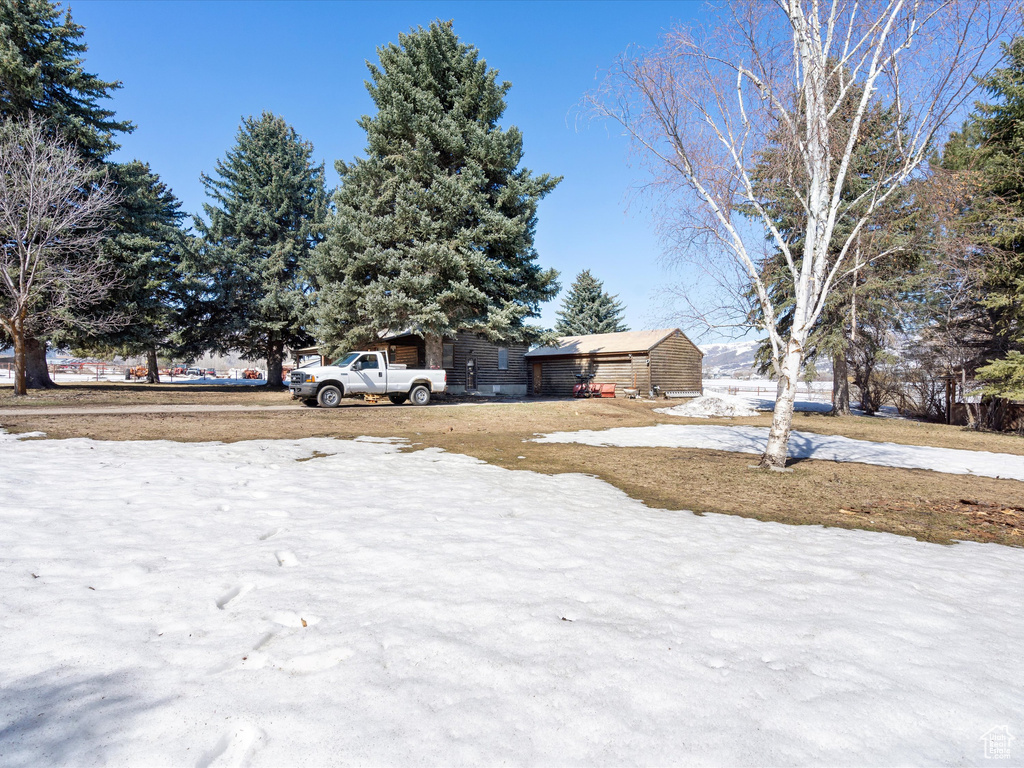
(199, 408)
(115, 409)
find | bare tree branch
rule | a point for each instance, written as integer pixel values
(704, 107)
(53, 210)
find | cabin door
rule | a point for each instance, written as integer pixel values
(537, 377)
(471, 374)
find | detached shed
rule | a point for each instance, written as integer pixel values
(663, 362)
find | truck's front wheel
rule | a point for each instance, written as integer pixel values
(329, 396)
(420, 395)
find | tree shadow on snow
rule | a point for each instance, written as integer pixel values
(800, 449)
(44, 721)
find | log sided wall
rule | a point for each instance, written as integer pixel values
(676, 368)
(558, 374)
(411, 351)
(488, 378)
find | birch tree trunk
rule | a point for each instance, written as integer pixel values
(777, 450)
(434, 350)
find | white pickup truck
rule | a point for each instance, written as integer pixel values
(365, 373)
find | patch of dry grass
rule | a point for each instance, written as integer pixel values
(88, 394)
(927, 505)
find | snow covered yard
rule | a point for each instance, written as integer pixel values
(210, 604)
(802, 445)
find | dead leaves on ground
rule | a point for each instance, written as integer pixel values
(983, 520)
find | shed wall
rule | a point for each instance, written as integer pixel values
(676, 366)
(558, 373)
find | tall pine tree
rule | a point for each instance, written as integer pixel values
(268, 213)
(588, 308)
(145, 245)
(434, 228)
(42, 78)
(978, 314)
(1000, 126)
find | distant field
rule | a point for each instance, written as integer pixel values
(928, 505)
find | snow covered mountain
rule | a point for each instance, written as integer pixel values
(729, 358)
(737, 358)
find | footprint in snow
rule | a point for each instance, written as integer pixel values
(305, 664)
(254, 659)
(231, 594)
(234, 748)
(316, 662)
(286, 559)
(269, 534)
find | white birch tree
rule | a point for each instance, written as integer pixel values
(703, 107)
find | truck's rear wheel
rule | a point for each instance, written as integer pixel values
(420, 395)
(398, 399)
(329, 396)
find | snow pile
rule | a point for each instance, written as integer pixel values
(802, 445)
(320, 602)
(712, 406)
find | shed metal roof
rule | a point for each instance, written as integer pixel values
(605, 343)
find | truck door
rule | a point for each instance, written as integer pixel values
(371, 375)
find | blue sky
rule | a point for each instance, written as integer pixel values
(192, 70)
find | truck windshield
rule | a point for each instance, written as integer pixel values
(344, 362)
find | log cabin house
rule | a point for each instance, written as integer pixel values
(650, 363)
(473, 364)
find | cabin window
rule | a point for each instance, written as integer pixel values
(447, 355)
(502, 358)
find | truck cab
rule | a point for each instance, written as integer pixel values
(365, 373)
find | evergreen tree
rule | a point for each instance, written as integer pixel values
(268, 213)
(588, 308)
(42, 78)
(145, 246)
(434, 228)
(862, 311)
(1004, 378)
(977, 307)
(1000, 131)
